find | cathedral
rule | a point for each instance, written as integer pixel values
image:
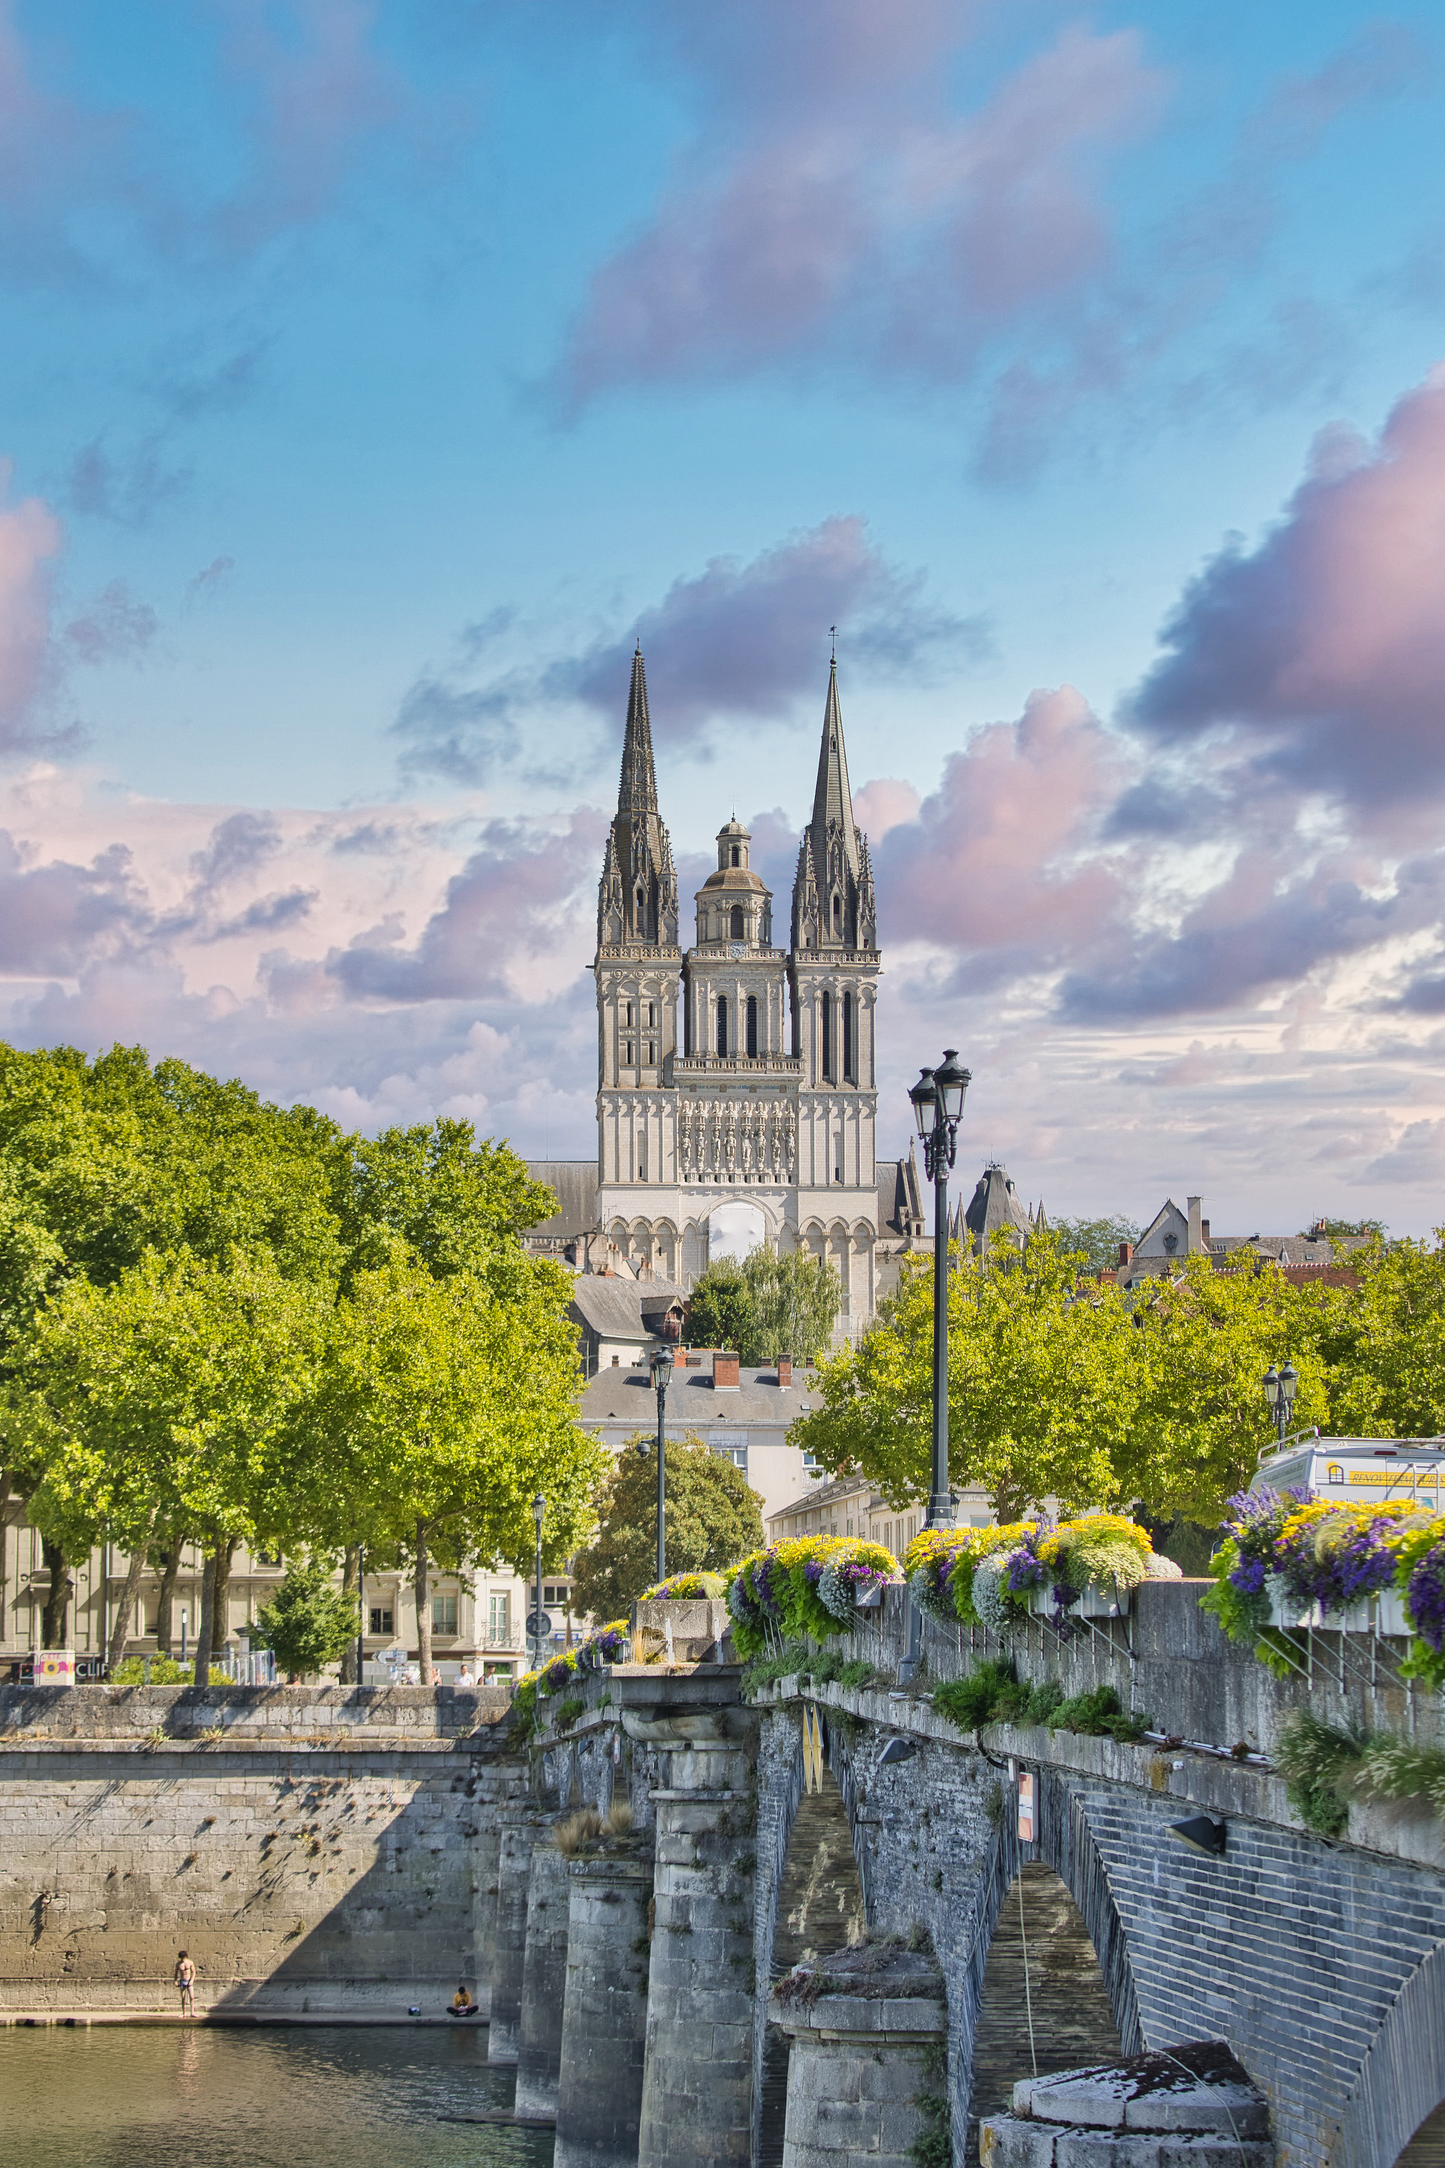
(735, 1078)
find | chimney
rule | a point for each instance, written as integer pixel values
(1196, 1237)
(1126, 1254)
(785, 1370)
(725, 1372)
(1204, 1229)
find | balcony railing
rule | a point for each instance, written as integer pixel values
(738, 1065)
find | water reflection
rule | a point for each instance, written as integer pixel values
(123, 2096)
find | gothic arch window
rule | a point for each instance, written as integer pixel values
(849, 1051)
(838, 917)
(828, 1037)
(737, 922)
(722, 1023)
(752, 1041)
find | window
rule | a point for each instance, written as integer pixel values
(848, 1074)
(499, 1617)
(642, 1159)
(627, 1055)
(627, 1016)
(651, 1053)
(722, 1024)
(557, 1595)
(752, 1026)
(382, 1618)
(268, 1558)
(850, 1528)
(651, 1014)
(837, 918)
(828, 1037)
(737, 856)
(444, 1614)
(737, 922)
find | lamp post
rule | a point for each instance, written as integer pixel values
(661, 1368)
(539, 1510)
(361, 1614)
(1280, 1387)
(937, 1109)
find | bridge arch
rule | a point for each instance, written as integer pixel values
(1394, 2116)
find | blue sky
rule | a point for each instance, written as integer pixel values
(373, 375)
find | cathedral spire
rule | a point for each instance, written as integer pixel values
(637, 898)
(638, 791)
(831, 865)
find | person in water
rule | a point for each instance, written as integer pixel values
(185, 1975)
(462, 2004)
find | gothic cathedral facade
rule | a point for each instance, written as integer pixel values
(736, 1090)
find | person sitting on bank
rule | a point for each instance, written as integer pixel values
(462, 2004)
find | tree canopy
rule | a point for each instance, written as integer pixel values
(768, 1305)
(1062, 1385)
(712, 1518)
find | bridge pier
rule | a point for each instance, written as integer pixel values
(486, 1849)
(604, 2017)
(698, 2073)
(544, 1980)
(519, 1831)
(866, 2075)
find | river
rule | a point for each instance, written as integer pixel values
(312, 2096)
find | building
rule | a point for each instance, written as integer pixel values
(743, 1413)
(736, 1096)
(850, 1506)
(1172, 1235)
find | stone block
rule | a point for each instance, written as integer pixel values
(1105, 2149)
(1004, 2142)
(1095, 2101)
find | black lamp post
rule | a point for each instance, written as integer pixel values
(661, 1367)
(1280, 1387)
(539, 1511)
(937, 1108)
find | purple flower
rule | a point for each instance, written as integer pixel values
(1248, 1576)
(1425, 1596)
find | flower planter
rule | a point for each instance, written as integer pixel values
(871, 1598)
(1102, 1599)
(1390, 1617)
(1286, 1610)
(1356, 1618)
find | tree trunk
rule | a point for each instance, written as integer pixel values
(352, 1589)
(204, 1627)
(4, 1537)
(55, 1618)
(423, 1604)
(221, 1594)
(120, 1631)
(166, 1599)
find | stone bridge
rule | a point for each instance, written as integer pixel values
(630, 1969)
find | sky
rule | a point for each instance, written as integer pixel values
(373, 377)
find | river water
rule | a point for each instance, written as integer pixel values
(322, 2096)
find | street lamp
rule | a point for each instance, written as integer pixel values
(539, 1510)
(1280, 1387)
(937, 1108)
(661, 1367)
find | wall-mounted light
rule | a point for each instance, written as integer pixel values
(1202, 1833)
(897, 1750)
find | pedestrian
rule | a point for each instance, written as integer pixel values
(185, 1980)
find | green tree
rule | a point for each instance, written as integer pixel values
(712, 1519)
(437, 1195)
(721, 1311)
(768, 1305)
(442, 1408)
(1097, 1240)
(1386, 1344)
(308, 1623)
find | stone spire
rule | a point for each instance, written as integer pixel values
(637, 895)
(638, 792)
(833, 878)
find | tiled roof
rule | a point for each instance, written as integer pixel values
(626, 1395)
(620, 1309)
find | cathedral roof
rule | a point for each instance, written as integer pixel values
(995, 1203)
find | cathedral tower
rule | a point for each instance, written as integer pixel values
(637, 967)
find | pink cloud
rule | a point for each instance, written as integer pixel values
(835, 201)
(1321, 653)
(883, 804)
(999, 857)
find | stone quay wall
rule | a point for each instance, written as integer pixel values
(323, 1854)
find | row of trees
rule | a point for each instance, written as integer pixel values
(1062, 1385)
(222, 1321)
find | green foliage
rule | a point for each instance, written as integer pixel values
(994, 1694)
(1071, 1387)
(434, 1194)
(712, 1518)
(568, 1711)
(131, 1671)
(768, 1305)
(307, 1623)
(1338, 1229)
(1095, 1240)
(1317, 1761)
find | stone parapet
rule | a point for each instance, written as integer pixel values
(604, 2019)
(1187, 2107)
(292, 1714)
